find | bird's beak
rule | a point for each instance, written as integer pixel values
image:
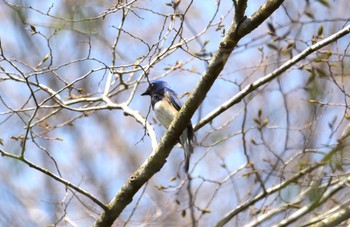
(146, 93)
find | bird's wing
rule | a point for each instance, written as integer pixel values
(176, 102)
(172, 97)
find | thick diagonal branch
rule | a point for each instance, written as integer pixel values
(158, 158)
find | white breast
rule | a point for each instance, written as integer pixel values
(165, 112)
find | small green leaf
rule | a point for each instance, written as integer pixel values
(271, 46)
(277, 38)
(321, 73)
(290, 45)
(347, 116)
(253, 142)
(265, 122)
(320, 31)
(172, 179)
(160, 187)
(329, 53)
(205, 211)
(257, 121)
(310, 15)
(320, 59)
(33, 28)
(308, 69)
(271, 28)
(313, 101)
(45, 58)
(325, 3)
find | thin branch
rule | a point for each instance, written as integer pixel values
(308, 208)
(333, 217)
(57, 178)
(158, 157)
(326, 159)
(269, 77)
(268, 191)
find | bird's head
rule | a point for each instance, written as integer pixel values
(156, 87)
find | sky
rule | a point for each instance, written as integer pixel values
(105, 145)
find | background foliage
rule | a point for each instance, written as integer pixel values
(71, 75)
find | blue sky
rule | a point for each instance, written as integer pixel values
(99, 151)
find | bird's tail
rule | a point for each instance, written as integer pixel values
(187, 145)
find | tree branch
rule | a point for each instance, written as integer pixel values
(333, 217)
(240, 6)
(158, 157)
(325, 160)
(269, 191)
(269, 77)
(54, 176)
(315, 204)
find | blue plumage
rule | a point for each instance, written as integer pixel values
(166, 105)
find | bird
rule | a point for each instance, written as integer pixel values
(166, 105)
